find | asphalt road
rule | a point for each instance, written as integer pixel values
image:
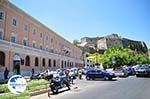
(122, 88)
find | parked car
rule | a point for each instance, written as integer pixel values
(143, 70)
(135, 68)
(120, 72)
(130, 70)
(94, 73)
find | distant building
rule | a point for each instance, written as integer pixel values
(100, 44)
(108, 41)
(25, 43)
(149, 52)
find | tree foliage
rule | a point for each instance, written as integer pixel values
(122, 57)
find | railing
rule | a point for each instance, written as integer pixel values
(11, 44)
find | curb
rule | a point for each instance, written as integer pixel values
(39, 92)
(73, 87)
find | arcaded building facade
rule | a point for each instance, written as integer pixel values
(25, 43)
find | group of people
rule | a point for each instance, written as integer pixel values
(46, 72)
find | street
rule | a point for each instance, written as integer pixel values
(121, 88)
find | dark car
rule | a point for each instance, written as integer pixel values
(143, 70)
(92, 74)
(130, 70)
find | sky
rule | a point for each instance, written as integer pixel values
(74, 19)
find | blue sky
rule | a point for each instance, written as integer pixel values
(73, 19)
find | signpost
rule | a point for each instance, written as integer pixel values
(113, 60)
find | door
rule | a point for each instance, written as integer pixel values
(16, 64)
(16, 67)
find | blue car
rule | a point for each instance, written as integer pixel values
(92, 74)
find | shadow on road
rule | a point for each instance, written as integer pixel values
(102, 80)
(143, 77)
(61, 91)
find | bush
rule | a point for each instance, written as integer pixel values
(33, 85)
(37, 85)
(24, 95)
(4, 88)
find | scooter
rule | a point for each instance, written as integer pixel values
(58, 83)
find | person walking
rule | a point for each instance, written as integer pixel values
(32, 72)
(6, 73)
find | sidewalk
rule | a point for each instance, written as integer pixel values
(3, 81)
(44, 94)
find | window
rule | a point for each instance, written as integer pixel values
(43, 62)
(2, 58)
(14, 22)
(65, 64)
(54, 63)
(34, 31)
(62, 64)
(46, 37)
(41, 35)
(51, 40)
(2, 15)
(1, 34)
(25, 27)
(34, 44)
(25, 42)
(13, 39)
(36, 61)
(49, 63)
(27, 63)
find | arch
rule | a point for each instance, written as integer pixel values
(16, 57)
(2, 58)
(36, 61)
(27, 63)
(65, 64)
(54, 63)
(62, 64)
(49, 63)
(68, 64)
(43, 62)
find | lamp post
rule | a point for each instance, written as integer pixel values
(96, 58)
(114, 60)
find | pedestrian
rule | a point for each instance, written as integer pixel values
(49, 78)
(6, 73)
(80, 74)
(67, 74)
(32, 72)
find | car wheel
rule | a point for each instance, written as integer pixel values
(106, 78)
(87, 78)
(137, 75)
(109, 78)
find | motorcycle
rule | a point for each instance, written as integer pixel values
(57, 83)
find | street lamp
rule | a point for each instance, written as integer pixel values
(96, 58)
(114, 60)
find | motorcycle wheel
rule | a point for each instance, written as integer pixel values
(54, 89)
